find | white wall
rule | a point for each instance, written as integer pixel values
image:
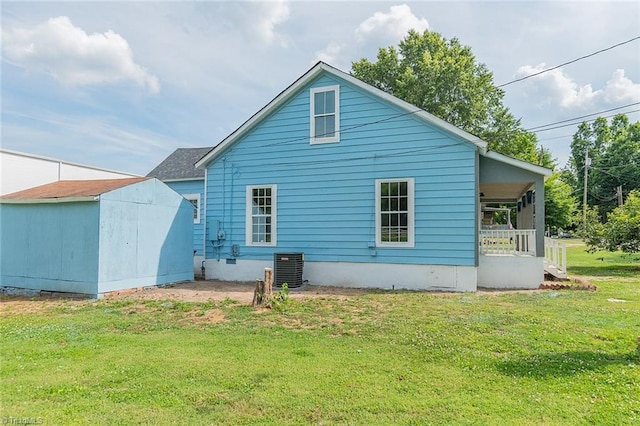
(20, 171)
(510, 272)
(357, 275)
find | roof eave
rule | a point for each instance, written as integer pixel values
(518, 163)
(285, 95)
(182, 179)
(91, 198)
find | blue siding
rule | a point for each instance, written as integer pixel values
(134, 236)
(145, 237)
(193, 187)
(326, 205)
(51, 247)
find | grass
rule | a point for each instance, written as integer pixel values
(547, 357)
(603, 263)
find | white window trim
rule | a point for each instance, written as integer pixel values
(411, 214)
(191, 197)
(312, 120)
(249, 218)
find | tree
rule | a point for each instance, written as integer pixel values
(622, 230)
(442, 77)
(592, 229)
(614, 153)
(559, 204)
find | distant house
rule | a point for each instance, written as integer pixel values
(19, 170)
(372, 190)
(95, 236)
(178, 171)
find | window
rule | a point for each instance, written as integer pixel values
(195, 200)
(261, 215)
(325, 114)
(394, 212)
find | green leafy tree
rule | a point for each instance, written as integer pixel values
(560, 205)
(443, 77)
(592, 229)
(620, 163)
(614, 152)
(622, 230)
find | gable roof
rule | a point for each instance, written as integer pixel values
(316, 70)
(180, 165)
(69, 190)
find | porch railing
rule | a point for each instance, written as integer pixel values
(515, 242)
(555, 257)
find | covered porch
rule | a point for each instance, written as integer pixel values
(511, 250)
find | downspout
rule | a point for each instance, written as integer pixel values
(540, 216)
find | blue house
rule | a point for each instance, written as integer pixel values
(95, 236)
(372, 190)
(178, 171)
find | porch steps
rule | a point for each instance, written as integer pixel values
(553, 269)
(555, 258)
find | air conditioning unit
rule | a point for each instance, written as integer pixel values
(287, 268)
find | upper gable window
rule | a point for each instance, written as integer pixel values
(325, 114)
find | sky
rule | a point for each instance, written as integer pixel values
(121, 85)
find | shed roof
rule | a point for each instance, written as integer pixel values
(76, 189)
(180, 165)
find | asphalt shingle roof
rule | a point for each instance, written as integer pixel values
(180, 165)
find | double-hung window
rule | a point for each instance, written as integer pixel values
(325, 114)
(395, 212)
(261, 215)
(194, 199)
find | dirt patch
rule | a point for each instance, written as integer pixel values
(218, 291)
(212, 316)
(12, 305)
(196, 291)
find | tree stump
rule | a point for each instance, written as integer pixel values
(258, 294)
(264, 289)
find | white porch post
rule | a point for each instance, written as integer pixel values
(539, 225)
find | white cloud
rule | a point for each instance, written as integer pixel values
(272, 14)
(73, 57)
(248, 21)
(395, 24)
(557, 88)
(331, 53)
(378, 30)
(621, 89)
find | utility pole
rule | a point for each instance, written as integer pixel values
(584, 197)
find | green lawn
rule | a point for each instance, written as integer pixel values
(544, 357)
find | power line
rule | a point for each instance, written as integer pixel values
(573, 124)
(582, 116)
(555, 137)
(346, 130)
(569, 62)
